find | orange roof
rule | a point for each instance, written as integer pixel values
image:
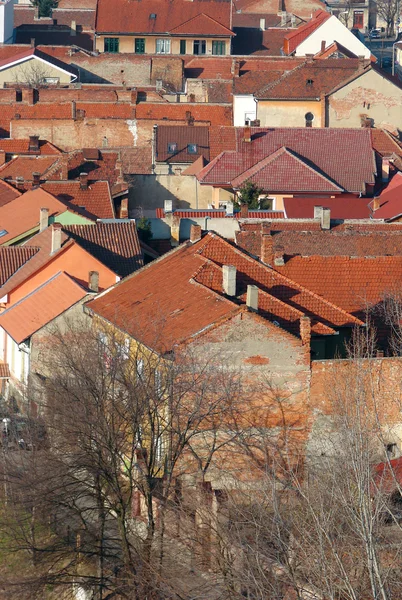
(21, 146)
(214, 114)
(40, 307)
(390, 199)
(25, 166)
(180, 294)
(95, 199)
(12, 258)
(21, 215)
(7, 192)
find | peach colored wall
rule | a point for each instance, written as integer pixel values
(75, 262)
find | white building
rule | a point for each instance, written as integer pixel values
(7, 21)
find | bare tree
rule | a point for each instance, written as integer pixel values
(387, 10)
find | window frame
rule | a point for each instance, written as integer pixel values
(139, 42)
(201, 45)
(183, 46)
(163, 43)
(192, 149)
(220, 44)
(107, 41)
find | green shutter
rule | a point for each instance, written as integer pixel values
(139, 45)
(182, 46)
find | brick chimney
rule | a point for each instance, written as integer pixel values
(247, 134)
(229, 280)
(36, 178)
(323, 45)
(252, 298)
(84, 181)
(189, 118)
(235, 68)
(33, 143)
(93, 281)
(305, 330)
(56, 237)
(267, 252)
(124, 209)
(195, 233)
(244, 210)
(43, 219)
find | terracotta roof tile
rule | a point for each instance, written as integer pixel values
(12, 258)
(209, 67)
(13, 146)
(137, 160)
(7, 193)
(103, 166)
(116, 244)
(95, 199)
(40, 307)
(4, 370)
(332, 151)
(390, 200)
(201, 24)
(213, 114)
(177, 139)
(384, 143)
(25, 166)
(345, 206)
(118, 16)
(221, 139)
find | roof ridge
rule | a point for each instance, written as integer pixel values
(271, 85)
(202, 14)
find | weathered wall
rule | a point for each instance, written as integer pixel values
(126, 43)
(371, 95)
(150, 191)
(31, 70)
(288, 113)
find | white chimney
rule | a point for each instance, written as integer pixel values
(229, 280)
(326, 218)
(43, 219)
(56, 237)
(229, 209)
(93, 281)
(385, 170)
(168, 206)
(252, 298)
(262, 24)
(283, 18)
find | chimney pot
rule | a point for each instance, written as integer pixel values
(252, 298)
(36, 178)
(56, 237)
(43, 219)
(124, 209)
(93, 281)
(244, 210)
(323, 45)
(195, 233)
(19, 183)
(33, 143)
(267, 249)
(229, 280)
(84, 181)
(279, 259)
(247, 134)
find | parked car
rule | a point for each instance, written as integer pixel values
(375, 33)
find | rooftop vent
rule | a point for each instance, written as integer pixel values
(152, 16)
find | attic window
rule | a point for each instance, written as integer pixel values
(172, 148)
(3, 232)
(152, 16)
(309, 82)
(192, 149)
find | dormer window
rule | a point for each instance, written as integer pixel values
(172, 147)
(309, 82)
(192, 149)
(152, 16)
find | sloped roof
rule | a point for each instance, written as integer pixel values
(296, 37)
(390, 199)
(182, 136)
(102, 166)
(134, 16)
(213, 114)
(7, 193)
(180, 294)
(12, 258)
(40, 307)
(21, 146)
(30, 53)
(285, 171)
(344, 155)
(201, 24)
(346, 206)
(95, 199)
(25, 166)
(115, 244)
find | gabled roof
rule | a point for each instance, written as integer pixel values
(100, 165)
(40, 307)
(181, 136)
(295, 38)
(159, 16)
(180, 295)
(95, 199)
(114, 244)
(21, 146)
(343, 155)
(346, 206)
(12, 258)
(201, 24)
(25, 166)
(285, 171)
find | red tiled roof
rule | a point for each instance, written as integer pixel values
(301, 8)
(4, 370)
(201, 24)
(221, 139)
(220, 214)
(285, 171)
(103, 165)
(352, 283)
(298, 36)
(256, 80)
(266, 43)
(116, 245)
(95, 199)
(388, 476)
(137, 160)
(390, 199)
(343, 155)
(134, 16)
(345, 206)
(12, 258)
(25, 166)
(213, 114)
(209, 67)
(12, 146)
(182, 136)
(312, 80)
(7, 193)
(384, 143)
(40, 307)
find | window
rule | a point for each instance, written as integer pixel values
(249, 117)
(266, 203)
(18, 95)
(162, 46)
(152, 16)
(309, 117)
(391, 450)
(51, 80)
(172, 148)
(218, 47)
(309, 82)
(183, 47)
(358, 19)
(139, 45)
(111, 45)
(140, 368)
(200, 46)
(192, 149)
